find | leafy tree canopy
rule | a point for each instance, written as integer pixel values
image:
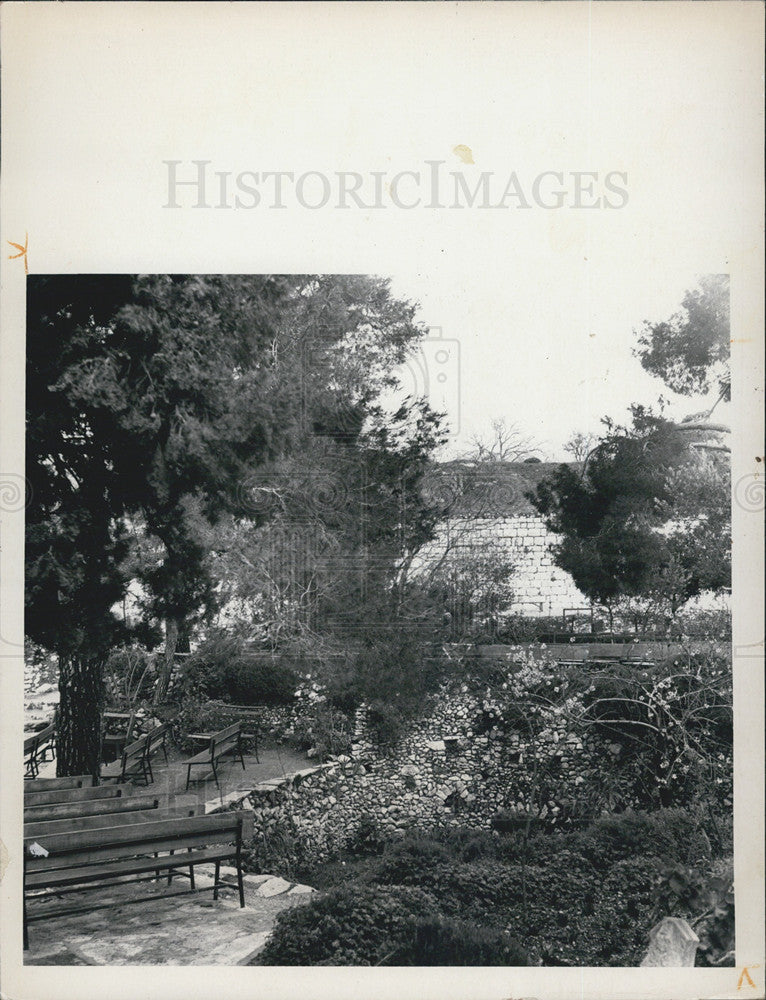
(648, 516)
(151, 399)
(690, 351)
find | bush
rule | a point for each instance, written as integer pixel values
(195, 716)
(404, 860)
(446, 941)
(563, 912)
(354, 925)
(670, 834)
(129, 676)
(387, 925)
(279, 847)
(225, 668)
(321, 727)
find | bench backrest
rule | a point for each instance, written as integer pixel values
(36, 740)
(226, 738)
(75, 795)
(156, 736)
(46, 828)
(136, 749)
(78, 847)
(94, 807)
(51, 784)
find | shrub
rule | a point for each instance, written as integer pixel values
(224, 668)
(322, 728)
(671, 834)
(707, 899)
(561, 909)
(385, 925)
(280, 847)
(195, 716)
(129, 676)
(404, 860)
(385, 722)
(354, 925)
(446, 941)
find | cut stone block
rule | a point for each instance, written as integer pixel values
(274, 887)
(672, 944)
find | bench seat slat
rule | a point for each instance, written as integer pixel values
(126, 866)
(65, 795)
(47, 828)
(101, 855)
(52, 784)
(209, 825)
(96, 807)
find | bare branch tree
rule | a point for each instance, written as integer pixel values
(505, 442)
(580, 445)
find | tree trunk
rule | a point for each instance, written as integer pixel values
(78, 720)
(171, 643)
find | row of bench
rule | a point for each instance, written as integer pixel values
(78, 836)
(135, 762)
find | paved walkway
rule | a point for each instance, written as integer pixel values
(184, 929)
(170, 779)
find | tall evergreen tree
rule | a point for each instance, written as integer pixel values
(150, 400)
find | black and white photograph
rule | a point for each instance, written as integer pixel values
(381, 518)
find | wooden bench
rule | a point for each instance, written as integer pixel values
(249, 716)
(157, 738)
(50, 784)
(98, 858)
(133, 763)
(221, 744)
(66, 795)
(47, 827)
(136, 759)
(94, 807)
(36, 749)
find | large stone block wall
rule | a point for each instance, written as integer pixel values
(540, 587)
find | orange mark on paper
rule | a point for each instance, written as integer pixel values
(745, 975)
(22, 251)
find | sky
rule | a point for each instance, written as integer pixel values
(548, 350)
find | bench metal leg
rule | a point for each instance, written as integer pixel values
(216, 878)
(191, 874)
(240, 882)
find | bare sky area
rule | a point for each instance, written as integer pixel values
(548, 349)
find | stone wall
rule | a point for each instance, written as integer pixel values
(452, 768)
(540, 587)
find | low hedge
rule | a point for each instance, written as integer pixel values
(225, 668)
(383, 925)
(563, 914)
